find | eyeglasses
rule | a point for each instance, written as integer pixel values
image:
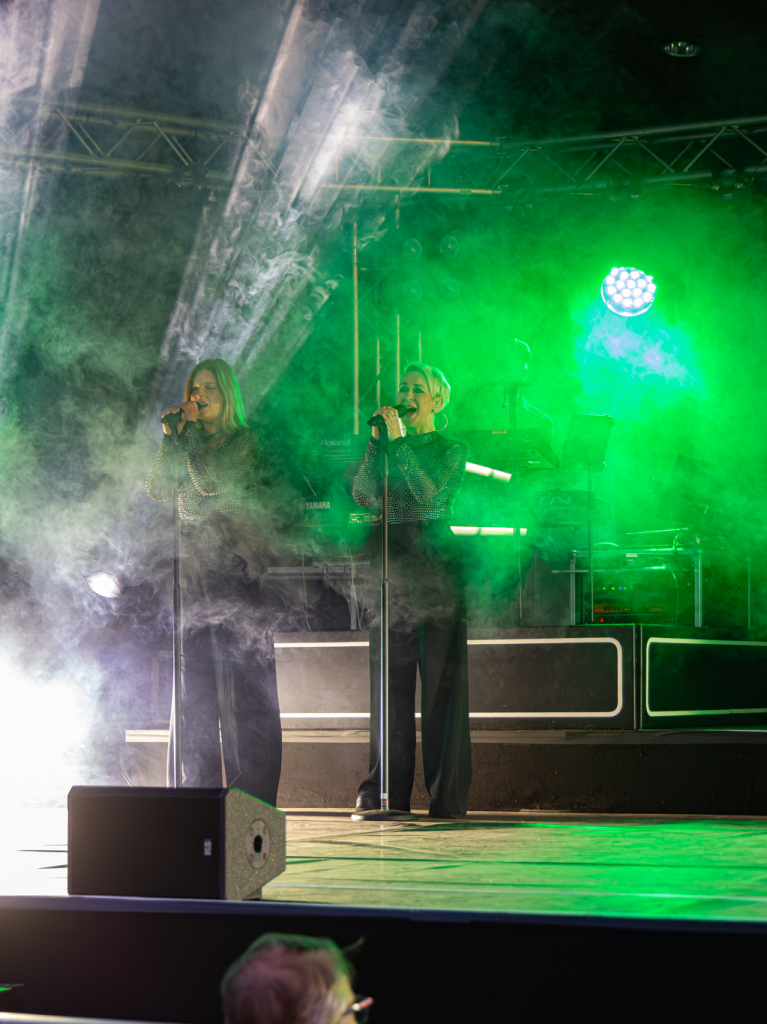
(359, 1008)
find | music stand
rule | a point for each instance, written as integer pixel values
(585, 448)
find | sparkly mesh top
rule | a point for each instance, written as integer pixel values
(425, 472)
(219, 482)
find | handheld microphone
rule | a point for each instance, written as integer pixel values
(379, 421)
(174, 418)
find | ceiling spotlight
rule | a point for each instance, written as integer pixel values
(681, 47)
(105, 584)
(628, 291)
(450, 288)
(412, 290)
(449, 246)
(412, 249)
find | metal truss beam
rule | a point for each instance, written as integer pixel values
(714, 151)
(650, 156)
(111, 141)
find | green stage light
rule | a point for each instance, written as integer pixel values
(450, 288)
(449, 247)
(628, 291)
(412, 289)
(412, 249)
(487, 531)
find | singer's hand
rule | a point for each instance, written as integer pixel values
(169, 412)
(191, 411)
(392, 422)
(188, 410)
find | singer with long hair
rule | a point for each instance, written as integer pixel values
(231, 731)
(427, 612)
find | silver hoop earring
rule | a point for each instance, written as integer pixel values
(445, 424)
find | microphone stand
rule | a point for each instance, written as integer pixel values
(174, 775)
(511, 392)
(385, 812)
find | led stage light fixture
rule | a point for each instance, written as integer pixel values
(628, 291)
(412, 249)
(450, 288)
(684, 47)
(105, 584)
(412, 289)
(449, 247)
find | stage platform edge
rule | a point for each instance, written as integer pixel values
(163, 960)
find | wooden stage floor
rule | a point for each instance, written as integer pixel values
(632, 866)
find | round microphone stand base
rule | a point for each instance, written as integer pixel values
(381, 815)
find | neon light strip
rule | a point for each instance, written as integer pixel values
(486, 531)
(496, 474)
(490, 714)
(327, 643)
(559, 714)
(692, 642)
(326, 714)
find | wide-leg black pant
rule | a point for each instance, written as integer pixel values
(428, 633)
(231, 732)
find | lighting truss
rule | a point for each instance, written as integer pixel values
(112, 141)
(713, 153)
(649, 157)
(108, 141)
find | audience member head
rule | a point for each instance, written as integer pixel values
(289, 979)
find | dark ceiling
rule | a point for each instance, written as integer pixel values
(558, 68)
(552, 67)
(188, 57)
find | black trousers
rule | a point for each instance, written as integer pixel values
(427, 632)
(231, 732)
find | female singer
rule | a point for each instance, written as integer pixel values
(427, 615)
(231, 717)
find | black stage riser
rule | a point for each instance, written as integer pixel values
(545, 677)
(582, 677)
(661, 777)
(633, 682)
(701, 678)
(149, 961)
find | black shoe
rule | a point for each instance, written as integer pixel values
(367, 802)
(445, 817)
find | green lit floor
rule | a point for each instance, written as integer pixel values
(610, 865)
(691, 868)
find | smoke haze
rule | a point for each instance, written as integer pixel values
(115, 285)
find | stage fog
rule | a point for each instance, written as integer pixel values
(116, 284)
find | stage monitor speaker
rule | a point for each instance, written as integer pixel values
(173, 843)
